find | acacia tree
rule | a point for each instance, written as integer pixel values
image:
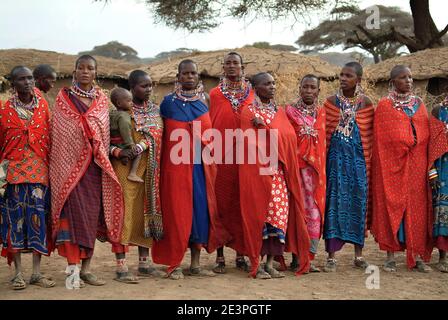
(347, 27)
(202, 15)
(114, 49)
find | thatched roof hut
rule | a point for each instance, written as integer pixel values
(429, 70)
(285, 66)
(111, 72)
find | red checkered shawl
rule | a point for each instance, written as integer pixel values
(69, 158)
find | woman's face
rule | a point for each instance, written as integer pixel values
(232, 66)
(188, 76)
(47, 83)
(23, 81)
(309, 90)
(265, 88)
(348, 78)
(403, 81)
(143, 89)
(85, 72)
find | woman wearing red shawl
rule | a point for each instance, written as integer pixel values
(233, 94)
(87, 201)
(402, 216)
(25, 199)
(438, 156)
(187, 182)
(142, 216)
(272, 212)
(308, 120)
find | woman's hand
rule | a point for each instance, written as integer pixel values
(258, 122)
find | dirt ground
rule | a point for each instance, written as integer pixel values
(346, 283)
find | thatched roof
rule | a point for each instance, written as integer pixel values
(63, 63)
(425, 64)
(256, 60)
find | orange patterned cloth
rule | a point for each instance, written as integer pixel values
(25, 143)
(70, 147)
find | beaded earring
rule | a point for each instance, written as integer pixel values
(391, 87)
(359, 90)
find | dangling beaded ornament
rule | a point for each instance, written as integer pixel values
(264, 110)
(236, 92)
(305, 110)
(349, 106)
(402, 101)
(145, 116)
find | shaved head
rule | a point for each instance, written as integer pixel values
(397, 70)
(259, 77)
(355, 66)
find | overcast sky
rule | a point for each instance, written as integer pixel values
(71, 26)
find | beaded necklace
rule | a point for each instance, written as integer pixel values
(17, 103)
(348, 107)
(235, 92)
(91, 94)
(25, 111)
(189, 95)
(402, 101)
(305, 111)
(262, 110)
(146, 116)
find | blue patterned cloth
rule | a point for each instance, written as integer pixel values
(271, 231)
(346, 202)
(440, 195)
(178, 110)
(24, 211)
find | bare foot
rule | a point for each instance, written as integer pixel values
(135, 178)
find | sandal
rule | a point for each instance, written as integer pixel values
(274, 273)
(220, 266)
(262, 274)
(442, 266)
(390, 266)
(199, 272)
(242, 264)
(92, 279)
(313, 269)
(330, 266)
(18, 282)
(42, 281)
(126, 277)
(360, 263)
(149, 271)
(422, 267)
(176, 274)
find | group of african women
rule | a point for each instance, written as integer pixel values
(88, 171)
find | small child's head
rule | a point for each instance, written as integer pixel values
(121, 99)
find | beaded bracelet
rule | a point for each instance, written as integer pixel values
(140, 148)
(143, 145)
(116, 152)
